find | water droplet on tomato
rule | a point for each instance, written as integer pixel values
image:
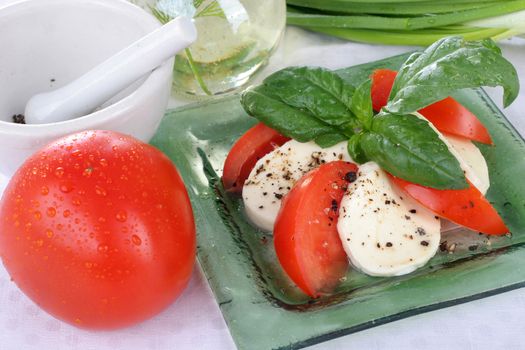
(76, 201)
(44, 190)
(59, 172)
(88, 264)
(136, 240)
(102, 248)
(39, 242)
(103, 162)
(77, 153)
(87, 172)
(66, 213)
(121, 216)
(100, 191)
(34, 171)
(49, 233)
(51, 212)
(65, 187)
(37, 214)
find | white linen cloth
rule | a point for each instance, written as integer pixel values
(194, 321)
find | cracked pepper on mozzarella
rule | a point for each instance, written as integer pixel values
(383, 232)
(275, 174)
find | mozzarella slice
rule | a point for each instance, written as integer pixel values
(385, 233)
(469, 157)
(471, 161)
(276, 173)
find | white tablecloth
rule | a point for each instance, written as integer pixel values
(195, 322)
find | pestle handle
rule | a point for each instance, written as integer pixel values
(83, 95)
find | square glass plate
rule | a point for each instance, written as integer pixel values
(262, 307)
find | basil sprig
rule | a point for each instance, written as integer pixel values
(448, 65)
(316, 104)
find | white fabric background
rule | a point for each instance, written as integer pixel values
(195, 322)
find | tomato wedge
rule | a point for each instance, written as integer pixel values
(446, 115)
(305, 233)
(467, 207)
(252, 146)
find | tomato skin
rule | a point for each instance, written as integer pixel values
(97, 229)
(252, 146)
(451, 117)
(382, 82)
(467, 207)
(306, 239)
(446, 115)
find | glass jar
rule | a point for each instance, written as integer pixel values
(235, 39)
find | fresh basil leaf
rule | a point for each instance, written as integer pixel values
(362, 103)
(407, 147)
(329, 140)
(317, 90)
(354, 149)
(448, 65)
(261, 103)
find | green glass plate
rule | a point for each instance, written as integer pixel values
(263, 309)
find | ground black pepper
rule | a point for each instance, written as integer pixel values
(351, 176)
(19, 119)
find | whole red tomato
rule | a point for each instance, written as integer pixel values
(97, 229)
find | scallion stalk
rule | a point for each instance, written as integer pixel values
(409, 22)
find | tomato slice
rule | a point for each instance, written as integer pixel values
(447, 115)
(252, 146)
(467, 207)
(382, 82)
(305, 233)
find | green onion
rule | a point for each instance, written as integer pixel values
(409, 22)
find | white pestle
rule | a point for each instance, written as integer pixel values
(86, 93)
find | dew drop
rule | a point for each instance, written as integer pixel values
(76, 201)
(121, 216)
(59, 172)
(66, 213)
(38, 215)
(87, 172)
(88, 264)
(136, 240)
(49, 233)
(102, 248)
(44, 190)
(65, 187)
(103, 162)
(51, 212)
(100, 191)
(77, 153)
